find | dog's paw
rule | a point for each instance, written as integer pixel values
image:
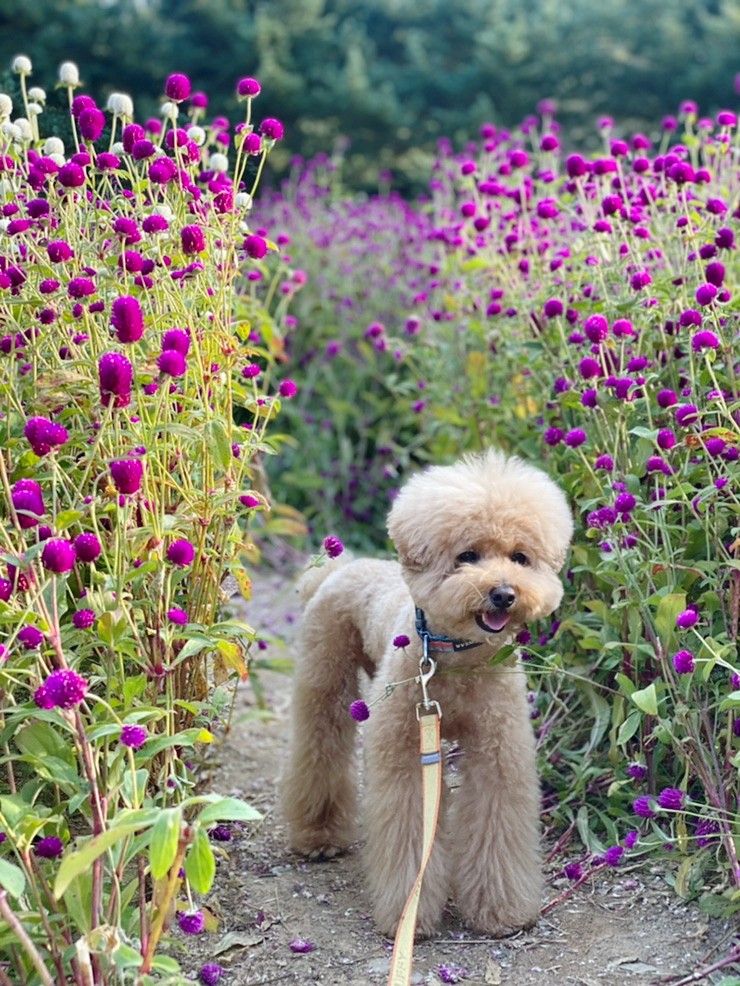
(495, 924)
(323, 854)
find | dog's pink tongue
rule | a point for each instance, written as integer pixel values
(495, 620)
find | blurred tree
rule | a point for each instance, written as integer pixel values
(395, 75)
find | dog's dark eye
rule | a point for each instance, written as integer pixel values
(519, 558)
(467, 558)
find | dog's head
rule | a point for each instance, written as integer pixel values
(481, 544)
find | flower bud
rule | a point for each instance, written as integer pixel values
(21, 65)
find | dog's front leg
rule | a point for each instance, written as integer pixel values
(393, 822)
(496, 855)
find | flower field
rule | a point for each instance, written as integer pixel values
(162, 336)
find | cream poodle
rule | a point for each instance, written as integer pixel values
(480, 545)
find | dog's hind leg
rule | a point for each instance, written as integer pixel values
(319, 785)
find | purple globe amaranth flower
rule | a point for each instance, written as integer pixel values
(255, 246)
(706, 339)
(248, 87)
(553, 308)
(87, 547)
(115, 375)
(251, 370)
(71, 175)
(249, 501)
(689, 317)
(596, 328)
(43, 435)
(666, 398)
(705, 831)
(133, 736)
(302, 946)
(178, 616)
(575, 437)
(624, 503)
(81, 287)
(192, 239)
(287, 388)
(210, 974)
(127, 475)
(687, 619)
(359, 710)
(644, 806)
(573, 871)
(705, 294)
(162, 171)
(589, 367)
(6, 589)
(58, 252)
(181, 553)
(28, 502)
(671, 798)
(637, 771)
(172, 363)
(333, 546)
(177, 87)
(683, 662)
(91, 123)
(666, 439)
(623, 327)
(686, 414)
(177, 339)
(62, 690)
(401, 640)
(553, 436)
(614, 855)
(50, 847)
(58, 556)
(604, 462)
(220, 833)
(30, 637)
(127, 319)
(272, 129)
(191, 922)
(83, 619)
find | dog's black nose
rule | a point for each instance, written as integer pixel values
(503, 597)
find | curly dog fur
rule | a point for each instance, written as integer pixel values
(480, 545)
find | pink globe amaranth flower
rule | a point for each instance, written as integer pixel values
(683, 662)
(288, 388)
(644, 806)
(178, 616)
(671, 798)
(91, 123)
(705, 294)
(62, 690)
(43, 435)
(181, 553)
(71, 175)
(272, 128)
(589, 367)
(192, 239)
(30, 637)
(127, 475)
(706, 339)
(115, 375)
(686, 414)
(191, 922)
(28, 502)
(333, 546)
(59, 251)
(255, 246)
(87, 547)
(107, 161)
(127, 319)
(359, 710)
(690, 316)
(134, 736)
(726, 118)
(623, 327)
(172, 363)
(210, 974)
(155, 224)
(249, 501)
(575, 437)
(667, 398)
(401, 640)
(250, 371)
(50, 847)
(162, 171)
(687, 619)
(81, 287)
(199, 100)
(177, 87)
(58, 556)
(83, 619)
(666, 439)
(177, 339)
(248, 87)
(596, 328)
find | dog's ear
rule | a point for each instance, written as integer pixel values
(404, 530)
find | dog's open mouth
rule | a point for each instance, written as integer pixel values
(492, 620)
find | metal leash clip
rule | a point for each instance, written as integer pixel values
(427, 667)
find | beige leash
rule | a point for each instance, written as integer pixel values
(429, 715)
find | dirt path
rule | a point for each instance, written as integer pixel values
(626, 928)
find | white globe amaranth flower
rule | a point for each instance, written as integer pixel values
(69, 74)
(6, 104)
(197, 135)
(37, 94)
(21, 65)
(118, 148)
(243, 200)
(121, 104)
(164, 210)
(53, 145)
(24, 125)
(4, 223)
(6, 188)
(35, 109)
(11, 131)
(218, 162)
(58, 159)
(168, 110)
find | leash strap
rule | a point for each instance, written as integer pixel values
(431, 776)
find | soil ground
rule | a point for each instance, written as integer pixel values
(624, 927)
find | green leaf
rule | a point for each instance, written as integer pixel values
(218, 441)
(732, 701)
(81, 859)
(163, 844)
(200, 863)
(668, 609)
(228, 810)
(629, 727)
(646, 699)
(12, 878)
(67, 518)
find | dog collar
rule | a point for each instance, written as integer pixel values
(437, 642)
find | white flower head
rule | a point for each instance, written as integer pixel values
(10, 130)
(218, 162)
(21, 65)
(53, 145)
(197, 135)
(4, 223)
(118, 148)
(58, 159)
(243, 200)
(169, 110)
(6, 104)
(164, 210)
(37, 94)
(121, 104)
(25, 128)
(35, 109)
(69, 74)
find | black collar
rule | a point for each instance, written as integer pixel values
(437, 642)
